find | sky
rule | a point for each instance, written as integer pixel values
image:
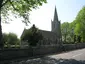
(67, 11)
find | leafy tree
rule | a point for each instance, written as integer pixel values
(65, 30)
(18, 7)
(32, 36)
(80, 24)
(72, 31)
(10, 39)
(76, 29)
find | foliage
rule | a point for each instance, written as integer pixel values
(65, 30)
(80, 24)
(72, 31)
(20, 8)
(10, 39)
(32, 36)
(75, 31)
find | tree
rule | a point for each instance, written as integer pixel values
(10, 39)
(72, 31)
(65, 30)
(75, 29)
(32, 36)
(18, 7)
(80, 24)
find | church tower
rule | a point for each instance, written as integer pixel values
(55, 24)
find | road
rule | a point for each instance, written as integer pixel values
(76, 54)
(72, 57)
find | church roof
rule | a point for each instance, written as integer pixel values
(48, 34)
(45, 34)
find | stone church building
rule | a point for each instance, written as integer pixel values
(52, 37)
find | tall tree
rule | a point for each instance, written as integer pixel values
(68, 32)
(65, 30)
(1, 44)
(80, 24)
(32, 36)
(72, 31)
(18, 7)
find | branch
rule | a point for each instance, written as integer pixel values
(4, 3)
(13, 5)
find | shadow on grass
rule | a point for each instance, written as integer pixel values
(48, 60)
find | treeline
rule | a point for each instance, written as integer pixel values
(74, 32)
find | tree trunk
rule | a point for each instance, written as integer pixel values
(65, 38)
(1, 43)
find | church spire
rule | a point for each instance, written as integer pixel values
(55, 15)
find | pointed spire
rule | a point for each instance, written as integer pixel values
(55, 14)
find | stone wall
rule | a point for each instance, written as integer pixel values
(8, 54)
(43, 50)
(67, 47)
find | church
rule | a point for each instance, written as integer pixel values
(52, 37)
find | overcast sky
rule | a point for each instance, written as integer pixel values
(67, 11)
